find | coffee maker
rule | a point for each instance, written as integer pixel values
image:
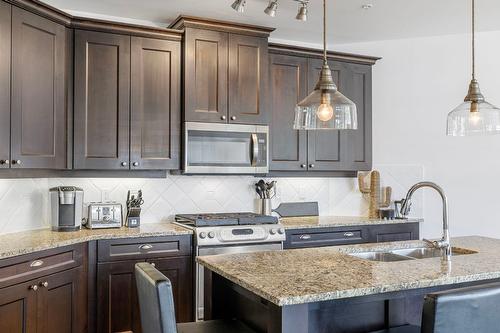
(66, 208)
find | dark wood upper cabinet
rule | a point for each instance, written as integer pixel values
(324, 147)
(225, 71)
(5, 51)
(155, 104)
(359, 142)
(330, 151)
(102, 100)
(288, 86)
(248, 79)
(38, 100)
(205, 75)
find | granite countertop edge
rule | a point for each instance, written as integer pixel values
(46, 239)
(315, 222)
(466, 274)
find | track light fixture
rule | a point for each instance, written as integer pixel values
(271, 8)
(302, 14)
(239, 5)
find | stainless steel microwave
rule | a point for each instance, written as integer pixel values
(211, 148)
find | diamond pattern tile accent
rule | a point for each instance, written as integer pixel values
(24, 202)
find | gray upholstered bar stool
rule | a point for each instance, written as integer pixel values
(464, 310)
(156, 302)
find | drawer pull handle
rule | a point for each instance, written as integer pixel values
(145, 247)
(305, 237)
(36, 263)
(348, 234)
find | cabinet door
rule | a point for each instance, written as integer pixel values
(102, 90)
(155, 104)
(288, 78)
(62, 303)
(358, 143)
(5, 49)
(18, 309)
(180, 272)
(205, 75)
(325, 147)
(248, 72)
(38, 128)
(117, 304)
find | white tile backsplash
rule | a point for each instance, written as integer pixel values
(24, 202)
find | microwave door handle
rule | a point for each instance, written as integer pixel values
(255, 149)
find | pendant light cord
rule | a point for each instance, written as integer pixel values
(473, 39)
(324, 31)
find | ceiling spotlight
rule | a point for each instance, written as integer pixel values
(271, 8)
(367, 6)
(239, 5)
(302, 14)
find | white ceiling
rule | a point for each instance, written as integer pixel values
(348, 22)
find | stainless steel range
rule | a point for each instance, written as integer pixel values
(229, 233)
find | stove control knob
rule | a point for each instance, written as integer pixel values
(272, 231)
(281, 231)
(203, 235)
(211, 234)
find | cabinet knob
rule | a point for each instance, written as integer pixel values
(44, 284)
(303, 166)
(4, 162)
(34, 287)
(135, 164)
(153, 264)
(311, 165)
(223, 117)
(233, 117)
(124, 164)
(18, 162)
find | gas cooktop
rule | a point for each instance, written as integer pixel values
(224, 219)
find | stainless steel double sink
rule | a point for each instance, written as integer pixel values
(408, 254)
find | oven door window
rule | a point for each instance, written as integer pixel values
(206, 148)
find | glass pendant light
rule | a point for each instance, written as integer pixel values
(325, 108)
(475, 116)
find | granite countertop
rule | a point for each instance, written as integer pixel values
(37, 240)
(336, 221)
(317, 274)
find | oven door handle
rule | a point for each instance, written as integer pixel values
(255, 149)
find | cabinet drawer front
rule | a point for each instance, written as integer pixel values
(24, 268)
(314, 238)
(143, 248)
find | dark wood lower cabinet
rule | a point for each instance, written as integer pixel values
(333, 236)
(18, 311)
(62, 304)
(117, 303)
(58, 305)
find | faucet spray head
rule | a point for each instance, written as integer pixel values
(405, 207)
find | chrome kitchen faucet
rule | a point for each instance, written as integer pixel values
(444, 242)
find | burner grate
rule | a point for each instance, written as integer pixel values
(225, 219)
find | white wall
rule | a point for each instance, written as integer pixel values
(415, 85)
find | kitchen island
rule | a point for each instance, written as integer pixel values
(330, 290)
